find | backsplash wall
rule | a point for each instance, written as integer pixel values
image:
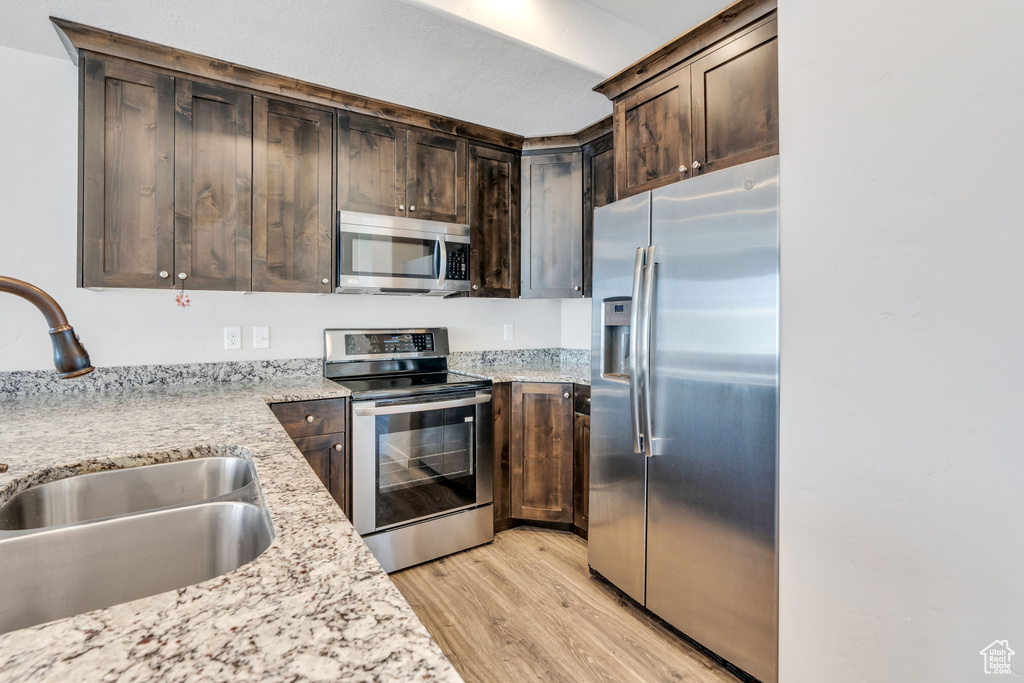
(38, 192)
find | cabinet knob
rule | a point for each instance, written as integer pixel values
(182, 276)
(401, 207)
(309, 418)
(565, 395)
(696, 165)
(476, 286)
(337, 446)
(164, 274)
(577, 288)
(326, 281)
(412, 207)
(588, 399)
(682, 168)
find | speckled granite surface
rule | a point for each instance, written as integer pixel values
(525, 365)
(31, 382)
(315, 606)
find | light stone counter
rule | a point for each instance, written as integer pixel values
(316, 606)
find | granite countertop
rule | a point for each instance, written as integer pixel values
(315, 606)
(528, 373)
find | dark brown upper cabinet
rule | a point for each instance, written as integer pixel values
(598, 190)
(541, 452)
(212, 187)
(394, 170)
(292, 226)
(552, 225)
(493, 222)
(736, 101)
(127, 210)
(371, 165)
(436, 177)
(653, 134)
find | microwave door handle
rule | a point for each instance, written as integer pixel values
(441, 256)
(401, 408)
(635, 419)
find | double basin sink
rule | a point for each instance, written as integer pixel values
(100, 539)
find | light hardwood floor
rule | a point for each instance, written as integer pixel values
(525, 608)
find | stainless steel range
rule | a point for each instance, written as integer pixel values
(421, 444)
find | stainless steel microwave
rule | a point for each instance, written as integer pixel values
(397, 255)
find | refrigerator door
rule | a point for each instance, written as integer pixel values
(616, 546)
(711, 537)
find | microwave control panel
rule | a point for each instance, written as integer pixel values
(458, 262)
(356, 344)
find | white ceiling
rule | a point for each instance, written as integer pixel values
(392, 50)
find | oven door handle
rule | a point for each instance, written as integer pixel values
(374, 409)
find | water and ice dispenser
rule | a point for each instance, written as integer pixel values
(615, 345)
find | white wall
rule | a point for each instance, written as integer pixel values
(902, 472)
(576, 330)
(38, 190)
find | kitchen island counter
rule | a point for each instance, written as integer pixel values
(315, 606)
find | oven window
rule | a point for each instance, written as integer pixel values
(383, 256)
(426, 464)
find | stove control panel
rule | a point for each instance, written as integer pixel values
(383, 342)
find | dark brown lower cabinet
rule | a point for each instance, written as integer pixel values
(327, 455)
(318, 429)
(581, 461)
(540, 452)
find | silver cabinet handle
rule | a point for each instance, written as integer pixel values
(476, 286)
(164, 274)
(634, 353)
(696, 165)
(588, 399)
(577, 288)
(182, 276)
(309, 418)
(326, 281)
(682, 168)
(412, 207)
(338, 446)
(401, 207)
(370, 408)
(565, 395)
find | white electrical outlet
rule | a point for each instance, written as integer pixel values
(232, 338)
(508, 333)
(261, 337)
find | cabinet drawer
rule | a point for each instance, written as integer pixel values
(309, 418)
(581, 395)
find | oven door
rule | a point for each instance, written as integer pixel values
(417, 458)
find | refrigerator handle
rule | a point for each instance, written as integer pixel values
(647, 331)
(635, 419)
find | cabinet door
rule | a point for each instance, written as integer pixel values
(736, 101)
(540, 460)
(598, 190)
(127, 236)
(212, 187)
(371, 165)
(291, 198)
(436, 177)
(581, 471)
(494, 261)
(552, 227)
(326, 454)
(652, 135)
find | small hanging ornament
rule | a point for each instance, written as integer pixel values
(182, 298)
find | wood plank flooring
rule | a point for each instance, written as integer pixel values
(525, 608)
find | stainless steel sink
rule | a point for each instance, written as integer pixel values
(100, 539)
(60, 572)
(117, 492)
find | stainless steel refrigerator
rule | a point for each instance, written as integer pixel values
(684, 405)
